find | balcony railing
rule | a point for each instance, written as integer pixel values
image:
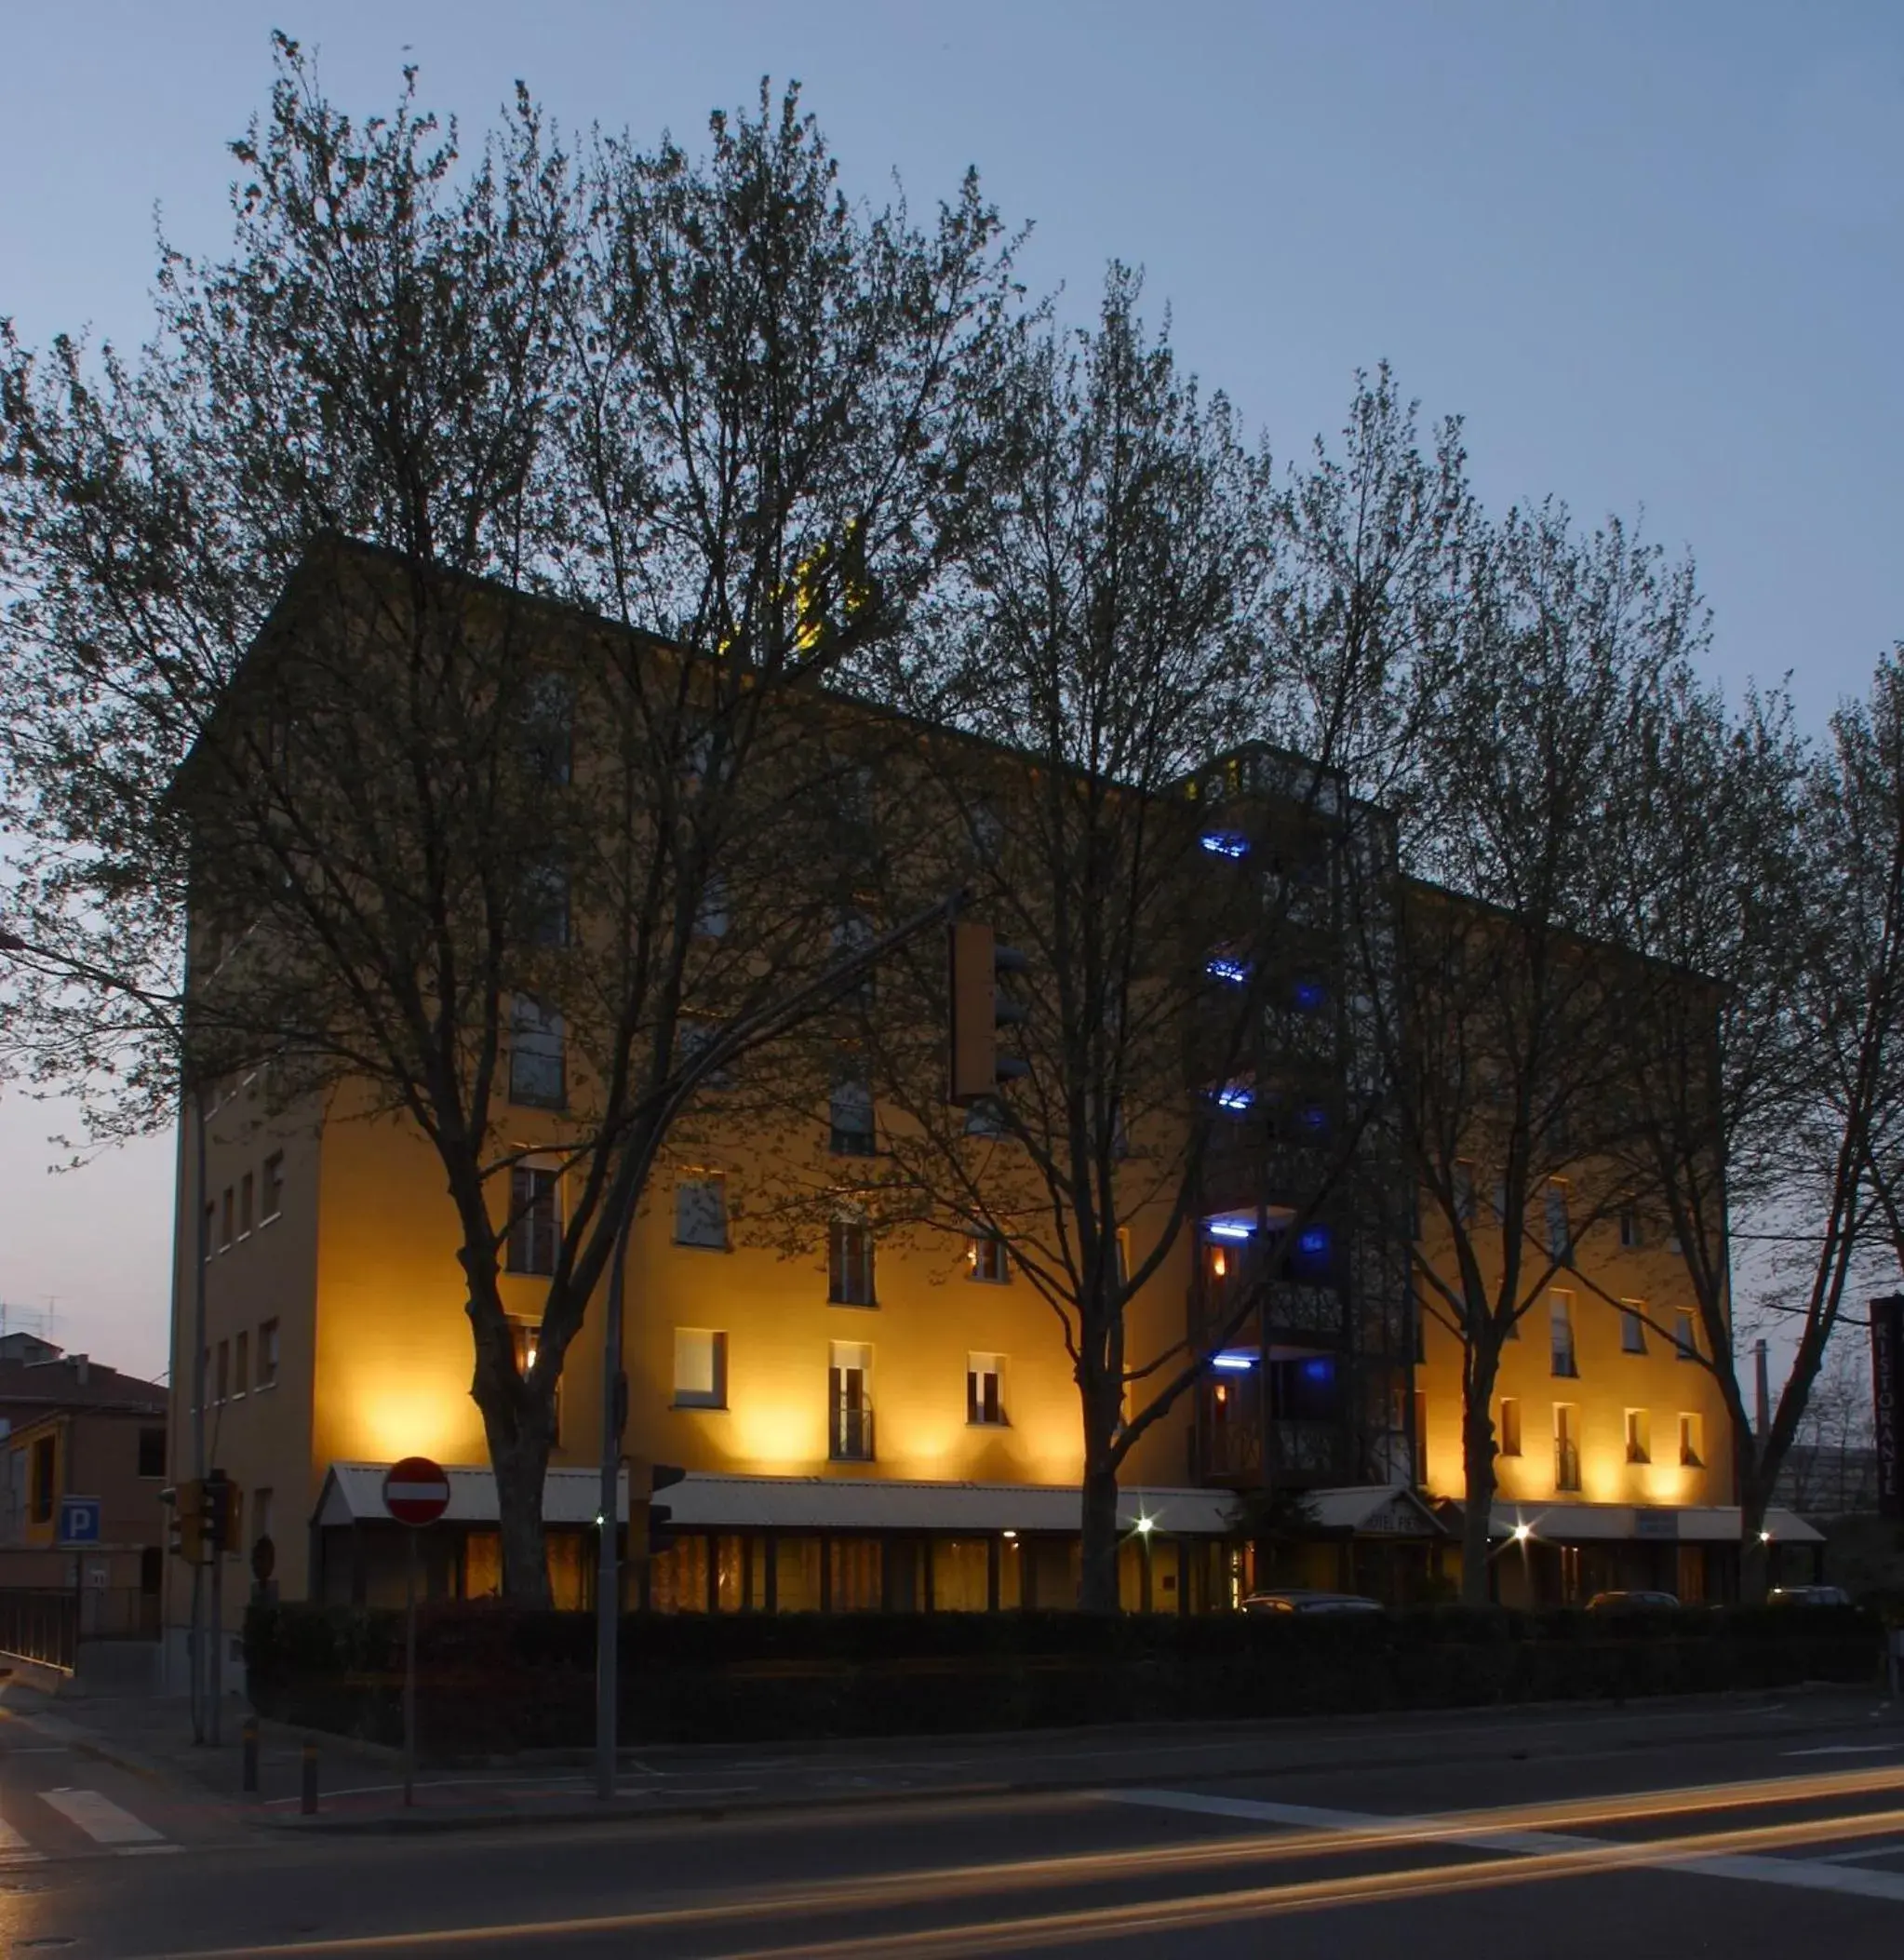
(853, 1433)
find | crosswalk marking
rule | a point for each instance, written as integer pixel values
(14, 1849)
(100, 1819)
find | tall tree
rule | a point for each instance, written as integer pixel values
(440, 839)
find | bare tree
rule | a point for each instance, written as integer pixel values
(439, 839)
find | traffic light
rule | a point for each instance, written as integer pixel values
(187, 1522)
(979, 1008)
(650, 1524)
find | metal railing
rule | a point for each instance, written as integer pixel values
(853, 1433)
(42, 1627)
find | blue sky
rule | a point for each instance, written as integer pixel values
(1653, 254)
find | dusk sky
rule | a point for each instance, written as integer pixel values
(1653, 254)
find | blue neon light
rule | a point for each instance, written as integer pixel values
(1308, 996)
(1318, 1370)
(1225, 843)
(1314, 1242)
(1235, 1098)
(1223, 1229)
(1315, 1116)
(1233, 1362)
(1234, 971)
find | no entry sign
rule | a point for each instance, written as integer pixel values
(416, 1491)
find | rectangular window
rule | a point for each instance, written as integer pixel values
(1639, 1436)
(1632, 1327)
(545, 904)
(1692, 1442)
(247, 1192)
(1632, 1236)
(850, 1396)
(535, 1222)
(548, 727)
(152, 1453)
(849, 1117)
(985, 1387)
(222, 1380)
(1560, 1245)
(226, 1212)
(1511, 1426)
(850, 1263)
(261, 1513)
(273, 1193)
(1560, 1313)
(700, 1368)
(853, 934)
(711, 915)
(241, 1364)
(42, 1487)
(987, 1259)
(1685, 1339)
(210, 1229)
(267, 1354)
(1566, 1446)
(535, 1053)
(525, 1336)
(701, 1211)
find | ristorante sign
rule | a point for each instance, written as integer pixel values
(1887, 1394)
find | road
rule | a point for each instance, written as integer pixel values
(1719, 1830)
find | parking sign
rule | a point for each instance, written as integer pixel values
(79, 1521)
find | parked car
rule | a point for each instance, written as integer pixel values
(1299, 1599)
(1807, 1596)
(1634, 1601)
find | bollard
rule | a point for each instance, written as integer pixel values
(307, 1801)
(250, 1733)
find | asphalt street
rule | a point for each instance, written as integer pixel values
(1579, 1833)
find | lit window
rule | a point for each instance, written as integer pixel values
(1559, 1308)
(700, 1368)
(1511, 1426)
(984, 1388)
(526, 1338)
(849, 1397)
(987, 1259)
(1685, 1338)
(535, 1225)
(1639, 1436)
(1632, 1327)
(850, 1263)
(1692, 1442)
(701, 1211)
(1566, 1446)
(535, 1053)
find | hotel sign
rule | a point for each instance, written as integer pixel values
(1887, 1398)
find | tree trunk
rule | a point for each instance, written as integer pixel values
(1754, 1554)
(1097, 1578)
(1478, 1483)
(520, 1461)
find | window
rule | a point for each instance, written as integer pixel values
(1560, 1313)
(1632, 1235)
(261, 1513)
(1639, 1436)
(526, 1339)
(701, 1211)
(210, 1228)
(535, 1224)
(267, 1354)
(1511, 1426)
(1686, 1340)
(273, 1192)
(712, 917)
(535, 1053)
(225, 1214)
(548, 727)
(989, 1260)
(853, 934)
(987, 1117)
(850, 1263)
(700, 1368)
(1464, 1193)
(849, 1117)
(42, 1485)
(247, 1191)
(221, 1392)
(1560, 1245)
(849, 1389)
(241, 1364)
(984, 1388)
(1566, 1446)
(1692, 1442)
(1632, 1327)
(695, 1035)
(152, 1453)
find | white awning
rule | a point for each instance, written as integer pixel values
(353, 1493)
(1376, 1511)
(1690, 1525)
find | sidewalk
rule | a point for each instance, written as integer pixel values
(361, 1784)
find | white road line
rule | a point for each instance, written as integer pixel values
(100, 1819)
(14, 1849)
(1847, 1749)
(1808, 1874)
(1895, 1849)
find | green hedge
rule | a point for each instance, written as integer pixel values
(493, 1680)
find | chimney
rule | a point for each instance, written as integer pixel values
(80, 1369)
(1763, 1402)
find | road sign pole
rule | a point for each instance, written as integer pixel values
(409, 1672)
